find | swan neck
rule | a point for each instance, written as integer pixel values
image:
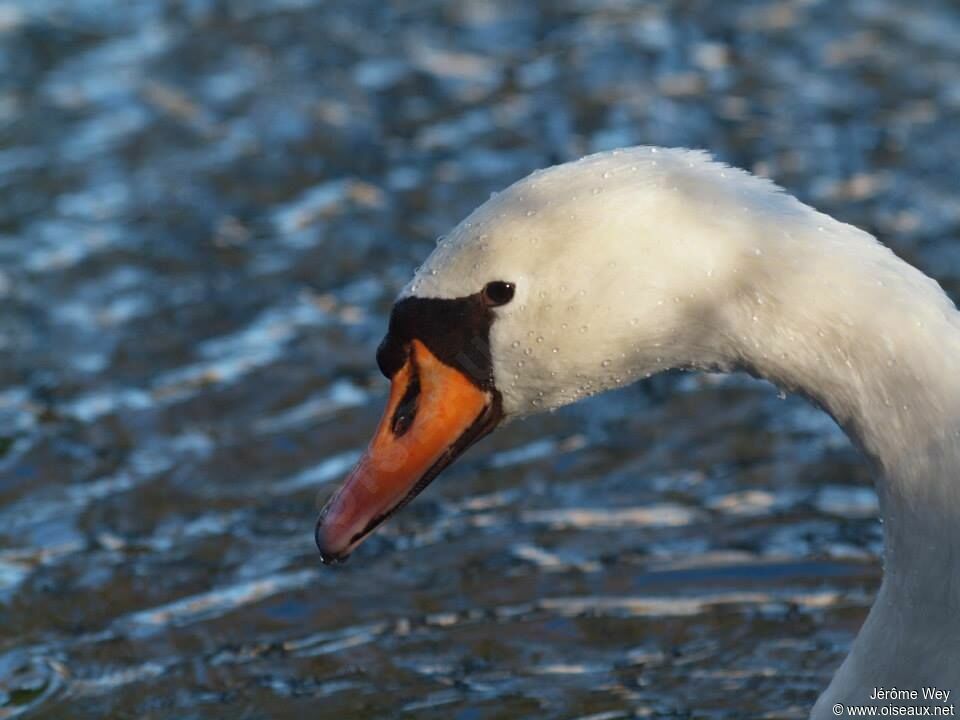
(876, 344)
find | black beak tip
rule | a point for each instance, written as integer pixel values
(328, 556)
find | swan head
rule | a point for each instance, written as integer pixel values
(574, 280)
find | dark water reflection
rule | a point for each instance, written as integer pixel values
(205, 210)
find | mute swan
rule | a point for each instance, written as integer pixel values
(589, 275)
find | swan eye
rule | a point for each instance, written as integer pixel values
(498, 293)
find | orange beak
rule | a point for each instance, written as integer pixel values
(434, 413)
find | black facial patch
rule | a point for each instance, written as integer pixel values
(456, 331)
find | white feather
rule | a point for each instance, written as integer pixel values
(643, 259)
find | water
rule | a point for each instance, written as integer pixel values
(206, 209)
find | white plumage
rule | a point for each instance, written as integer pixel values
(639, 260)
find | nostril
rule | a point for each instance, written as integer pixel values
(407, 407)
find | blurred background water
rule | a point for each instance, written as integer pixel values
(206, 208)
